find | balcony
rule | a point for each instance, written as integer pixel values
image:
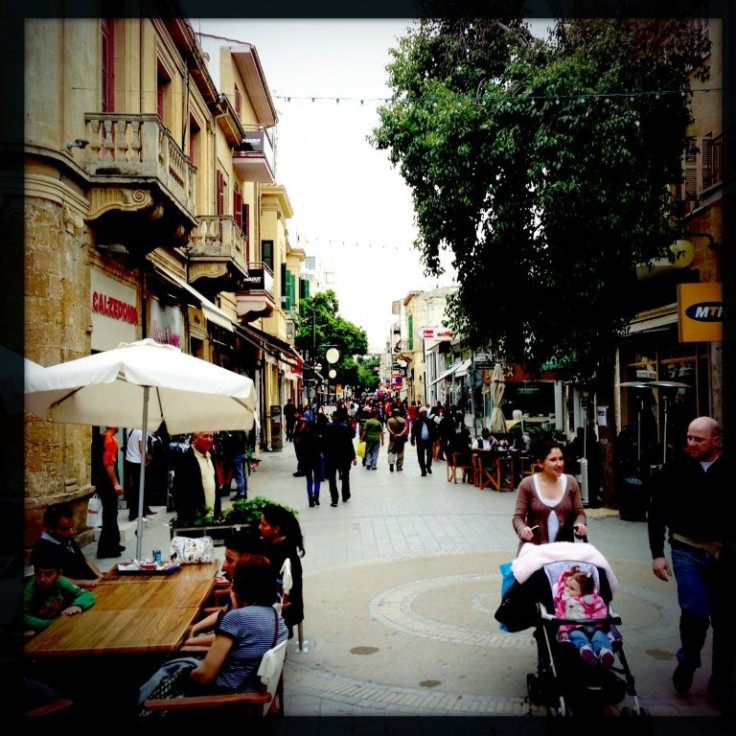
(705, 162)
(217, 255)
(256, 300)
(253, 159)
(142, 183)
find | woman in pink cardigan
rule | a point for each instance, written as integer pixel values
(548, 505)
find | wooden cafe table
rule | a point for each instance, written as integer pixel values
(495, 466)
(132, 614)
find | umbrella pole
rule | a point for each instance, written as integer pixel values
(142, 481)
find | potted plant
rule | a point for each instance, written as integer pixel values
(244, 512)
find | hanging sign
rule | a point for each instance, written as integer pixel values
(700, 312)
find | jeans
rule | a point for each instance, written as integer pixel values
(695, 572)
(597, 641)
(331, 469)
(313, 473)
(371, 453)
(241, 479)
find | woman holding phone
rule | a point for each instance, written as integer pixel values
(549, 507)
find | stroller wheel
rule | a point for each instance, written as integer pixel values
(534, 689)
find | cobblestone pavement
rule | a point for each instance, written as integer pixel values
(401, 584)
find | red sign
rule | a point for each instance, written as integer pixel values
(112, 307)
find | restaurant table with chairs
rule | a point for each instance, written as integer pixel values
(132, 614)
(98, 659)
(498, 469)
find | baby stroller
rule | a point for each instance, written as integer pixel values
(564, 682)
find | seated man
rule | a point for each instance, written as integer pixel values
(58, 537)
(239, 547)
(47, 595)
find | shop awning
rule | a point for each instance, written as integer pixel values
(212, 312)
(446, 374)
(463, 368)
(283, 352)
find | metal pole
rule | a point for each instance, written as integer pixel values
(142, 480)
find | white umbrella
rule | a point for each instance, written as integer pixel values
(498, 386)
(139, 385)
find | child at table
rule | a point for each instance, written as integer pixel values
(48, 595)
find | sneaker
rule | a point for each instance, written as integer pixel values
(311, 502)
(423, 474)
(398, 470)
(606, 658)
(316, 500)
(334, 504)
(682, 678)
(429, 470)
(588, 656)
(391, 467)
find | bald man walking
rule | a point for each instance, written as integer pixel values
(689, 498)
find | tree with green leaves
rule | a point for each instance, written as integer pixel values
(320, 326)
(544, 167)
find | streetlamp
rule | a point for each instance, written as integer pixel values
(332, 356)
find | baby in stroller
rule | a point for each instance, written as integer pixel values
(564, 591)
(575, 597)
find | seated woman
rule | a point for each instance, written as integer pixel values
(282, 538)
(242, 636)
(549, 507)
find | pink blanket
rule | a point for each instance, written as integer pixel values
(532, 557)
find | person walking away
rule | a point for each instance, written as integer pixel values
(339, 453)
(548, 505)
(290, 418)
(422, 435)
(373, 437)
(311, 461)
(132, 462)
(105, 480)
(689, 498)
(240, 460)
(296, 437)
(398, 432)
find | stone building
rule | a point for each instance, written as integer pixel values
(151, 210)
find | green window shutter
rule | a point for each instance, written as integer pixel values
(267, 252)
(410, 332)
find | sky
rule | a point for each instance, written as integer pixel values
(352, 209)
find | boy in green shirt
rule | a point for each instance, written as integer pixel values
(48, 595)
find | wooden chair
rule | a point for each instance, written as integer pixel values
(267, 701)
(488, 476)
(460, 461)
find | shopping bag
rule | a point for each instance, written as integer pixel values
(360, 449)
(94, 511)
(192, 550)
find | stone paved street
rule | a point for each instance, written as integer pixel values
(401, 584)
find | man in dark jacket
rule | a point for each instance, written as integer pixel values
(423, 432)
(195, 482)
(339, 454)
(689, 498)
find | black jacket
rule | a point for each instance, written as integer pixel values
(188, 490)
(416, 428)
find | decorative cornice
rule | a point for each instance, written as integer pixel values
(105, 199)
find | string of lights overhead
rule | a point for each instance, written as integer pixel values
(502, 97)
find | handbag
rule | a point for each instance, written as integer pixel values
(94, 511)
(360, 449)
(192, 550)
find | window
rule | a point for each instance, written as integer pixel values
(267, 252)
(107, 64)
(238, 207)
(163, 85)
(246, 229)
(220, 193)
